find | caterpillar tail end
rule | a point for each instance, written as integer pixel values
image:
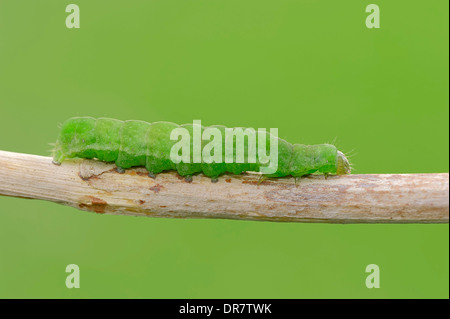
(343, 165)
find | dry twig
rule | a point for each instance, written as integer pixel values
(96, 186)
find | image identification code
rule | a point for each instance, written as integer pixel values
(227, 308)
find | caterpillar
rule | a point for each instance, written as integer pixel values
(138, 143)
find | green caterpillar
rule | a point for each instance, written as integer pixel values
(138, 143)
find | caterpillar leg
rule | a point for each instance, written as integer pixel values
(326, 175)
(297, 179)
(56, 162)
(214, 179)
(152, 175)
(120, 170)
(261, 179)
(188, 178)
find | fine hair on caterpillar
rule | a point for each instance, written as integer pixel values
(193, 148)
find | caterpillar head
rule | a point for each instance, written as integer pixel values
(343, 166)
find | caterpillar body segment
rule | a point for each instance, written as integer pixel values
(138, 143)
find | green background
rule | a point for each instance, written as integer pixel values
(309, 68)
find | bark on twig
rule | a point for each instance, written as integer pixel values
(96, 186)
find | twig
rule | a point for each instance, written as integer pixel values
(96, 186)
